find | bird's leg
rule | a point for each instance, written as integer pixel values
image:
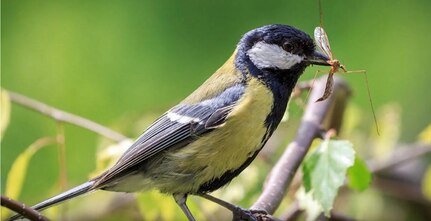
(181, 199)
(238, 212)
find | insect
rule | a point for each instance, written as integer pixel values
(322, 42)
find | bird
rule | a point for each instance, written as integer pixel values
(212, 135)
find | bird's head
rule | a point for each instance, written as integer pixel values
(277, 48)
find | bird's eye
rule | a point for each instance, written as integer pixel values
(288, 47)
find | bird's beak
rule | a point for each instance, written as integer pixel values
(317, 58)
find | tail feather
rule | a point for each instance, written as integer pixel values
(74, 192)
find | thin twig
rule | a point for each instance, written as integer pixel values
(22, 209)
(64, 116)
(401, 155)
(292, 213)
(317, 117)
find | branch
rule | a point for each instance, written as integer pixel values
(402, 155)
(22, 209)
(64, 116)
(396, 183)
(317, 117)
(292, 213)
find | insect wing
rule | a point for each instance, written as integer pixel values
(322, 41)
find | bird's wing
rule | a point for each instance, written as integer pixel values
(176, 128)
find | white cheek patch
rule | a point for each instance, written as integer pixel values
(265, 55)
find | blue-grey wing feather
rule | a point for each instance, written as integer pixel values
(170, 130)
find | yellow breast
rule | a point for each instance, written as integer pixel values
(225, 148)
(228, 146)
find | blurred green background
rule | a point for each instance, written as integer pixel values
(116, 61)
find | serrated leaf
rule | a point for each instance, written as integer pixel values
(4, 111)
(359, 177)
(426, 183)
(325, 170)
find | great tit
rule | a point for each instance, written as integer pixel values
(211, 136)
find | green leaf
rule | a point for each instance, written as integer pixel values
(156, 206)
(15, 178)
(17, 174)
(18, 171)
(325, 170)
(425, 135)
(426, 183)
(359, 177)
(149, 205)
(4, 111)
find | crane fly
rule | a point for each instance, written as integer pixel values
(322, 42)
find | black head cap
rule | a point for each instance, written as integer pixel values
(279, 34)
(275, 46)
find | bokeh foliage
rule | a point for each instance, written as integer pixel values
(119, 61)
